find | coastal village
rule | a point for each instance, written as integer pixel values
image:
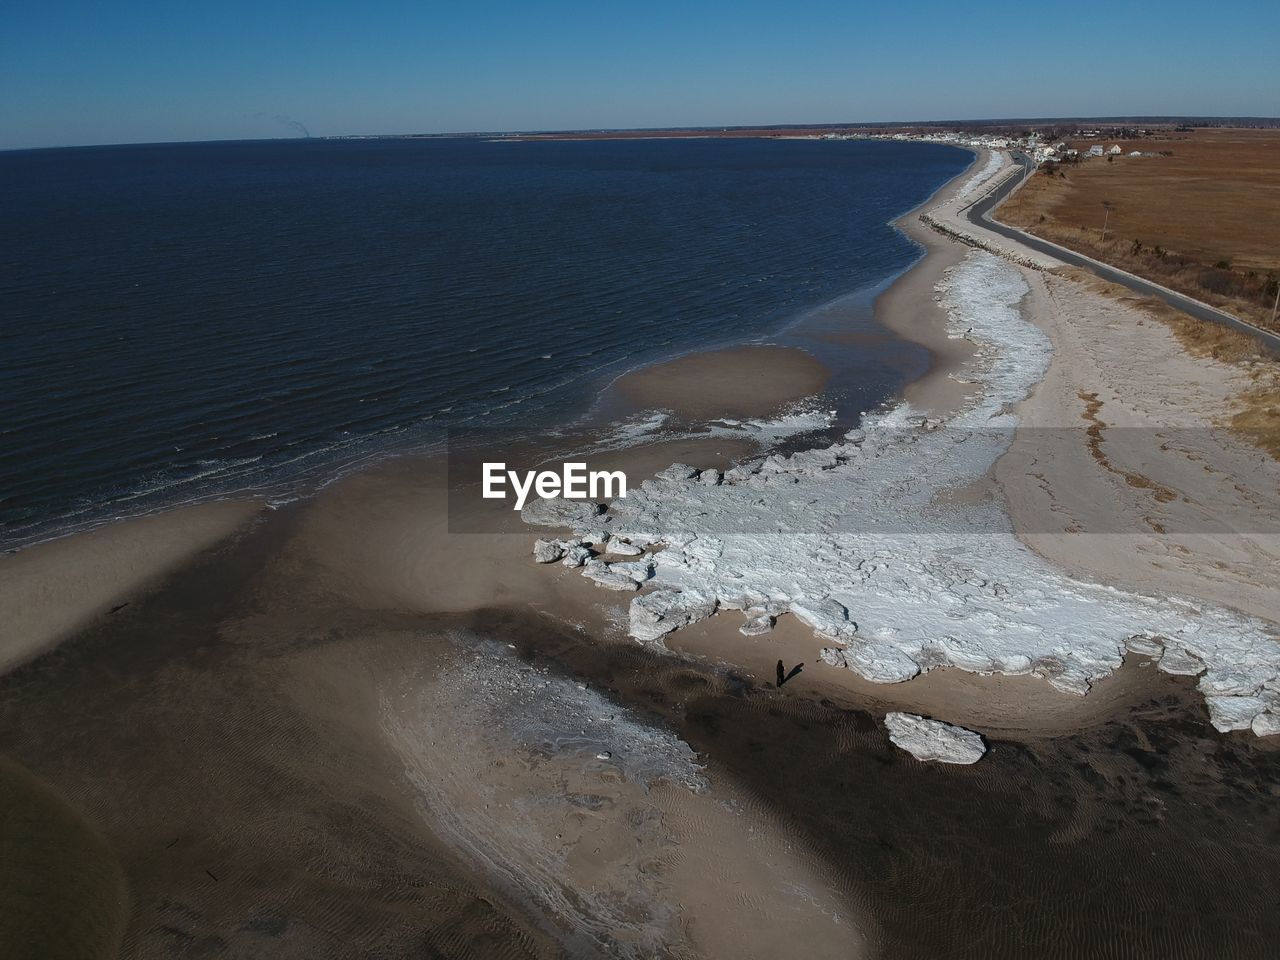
(1133, 196)
(1041, 148)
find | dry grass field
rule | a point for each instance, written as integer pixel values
(1204, 220)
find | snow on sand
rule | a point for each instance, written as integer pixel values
(865, 542)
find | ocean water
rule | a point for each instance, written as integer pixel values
(183, 321)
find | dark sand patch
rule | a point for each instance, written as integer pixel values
(51, 590)
(234, 753)
(63, 892)
(1142, 833)
(224, 740)
(231, 741)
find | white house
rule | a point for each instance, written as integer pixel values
(1115, 151)
(1095, 150)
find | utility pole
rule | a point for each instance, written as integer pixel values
(1106, 205)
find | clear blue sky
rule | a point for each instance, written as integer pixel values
(76, 72)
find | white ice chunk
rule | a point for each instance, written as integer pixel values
(1266, 724)
(655, 615)
(934, 740)
(1234, 713)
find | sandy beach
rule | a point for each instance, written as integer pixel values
(349, 726)
(54, 590)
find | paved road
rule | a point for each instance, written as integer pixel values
(978, 213)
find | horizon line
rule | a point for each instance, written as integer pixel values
(710, 128)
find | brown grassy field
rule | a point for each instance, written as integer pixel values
(1204, 221)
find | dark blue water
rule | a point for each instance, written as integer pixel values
(184, 320)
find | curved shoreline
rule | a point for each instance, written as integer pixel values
(379, 543)
(898, 307)
(782, 244)
(84, 588)
(311, 665)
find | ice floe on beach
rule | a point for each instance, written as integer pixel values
(796, 421)
(641, 428)
(867, 542)
(802, 417)
(934, 740)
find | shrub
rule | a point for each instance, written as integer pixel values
(1217, 281)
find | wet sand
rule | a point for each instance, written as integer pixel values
(314, 707)
(740, 382)
(52, 590)
(61, 886)
(255, 737)
(1114, 833)
(355, 728)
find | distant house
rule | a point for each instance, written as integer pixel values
(1115, 151)
(1095, 150)
(1136, 153)
(1041, 153)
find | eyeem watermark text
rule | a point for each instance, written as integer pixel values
(573, 482)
